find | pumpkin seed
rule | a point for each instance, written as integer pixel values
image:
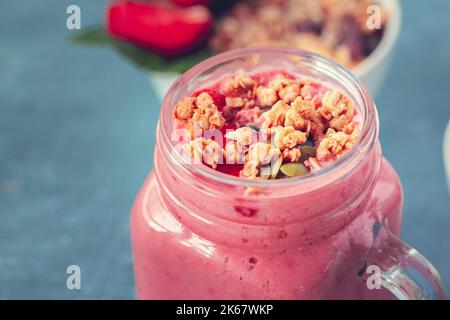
(281, 175)
(252, 126)
(307, 152)
(276, 167)
(265, 172)
(271, 170)
(308, 143)
(294, 169)
(265, 109)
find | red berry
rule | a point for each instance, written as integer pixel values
(187, 3)
(169, 31)
(230, 169)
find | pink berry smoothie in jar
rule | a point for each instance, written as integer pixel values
(269, 183)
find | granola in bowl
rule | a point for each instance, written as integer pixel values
(268, 125)
(335, 29)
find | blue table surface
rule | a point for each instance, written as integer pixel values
(77, 131)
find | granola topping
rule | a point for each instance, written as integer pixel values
(206, 150)
(337, 109)
(335, 143)
(335, 29)
(273, 125)
(198, 114)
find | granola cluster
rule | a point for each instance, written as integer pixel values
(263, 122)
(199, 113)
(335, 29)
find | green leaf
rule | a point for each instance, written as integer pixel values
(140, 57)
(91, 36)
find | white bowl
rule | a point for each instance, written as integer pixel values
(372, 71)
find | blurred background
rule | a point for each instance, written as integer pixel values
(77, 131)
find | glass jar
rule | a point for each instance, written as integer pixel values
(200, 234)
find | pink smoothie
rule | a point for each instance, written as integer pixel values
(200, 237)
(178, 258)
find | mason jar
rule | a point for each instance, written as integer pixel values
(333, 234)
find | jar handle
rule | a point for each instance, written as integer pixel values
(406, 273)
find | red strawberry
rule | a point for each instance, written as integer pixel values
(169, 31)
(187, 3)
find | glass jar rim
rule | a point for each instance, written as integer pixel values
(369, 128)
